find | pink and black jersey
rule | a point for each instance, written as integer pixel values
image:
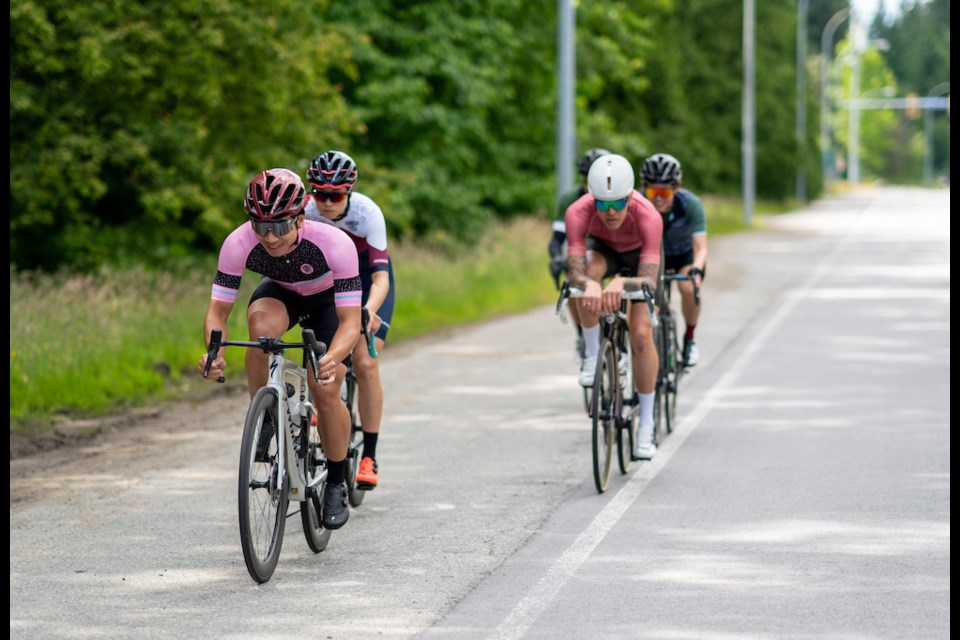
(642, 228)
(363, 221)
(324, 258)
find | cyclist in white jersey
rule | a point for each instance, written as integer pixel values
(332, 176)
(311, 277)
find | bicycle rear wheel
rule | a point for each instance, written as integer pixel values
(606, 390)
(314, 464)
(262, 504)
(672, 369)
(660, 391)
(355, 449)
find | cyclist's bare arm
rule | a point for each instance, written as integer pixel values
(379, 288)
(343, 340)
(699, 252)
(217, 315)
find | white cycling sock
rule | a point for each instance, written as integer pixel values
(591, 339)
(646, 410)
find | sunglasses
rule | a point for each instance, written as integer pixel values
(325, 195)
(658, 192)
(279, 228)
(606, 205)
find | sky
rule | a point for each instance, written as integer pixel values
(867, 9)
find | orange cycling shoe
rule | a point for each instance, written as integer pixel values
(367, 474)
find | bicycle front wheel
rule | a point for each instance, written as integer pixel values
(262, 503)
(606, 390)
(314, 465)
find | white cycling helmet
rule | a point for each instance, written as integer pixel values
(610, 177)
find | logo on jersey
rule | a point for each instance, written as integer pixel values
(306, 269)
(353, 225)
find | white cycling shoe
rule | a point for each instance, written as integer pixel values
(644, 449)
(588, 370)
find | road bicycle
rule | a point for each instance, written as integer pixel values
(614, 402)
(348, 392)
(672, 366)
(281, 456)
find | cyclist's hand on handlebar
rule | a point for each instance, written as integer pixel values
(612, 294)
(328, 370)
(557, 265)
(216, 368)
(591, 301)
(374, 325)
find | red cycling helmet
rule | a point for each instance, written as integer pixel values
(275, 194)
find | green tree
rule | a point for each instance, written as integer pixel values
(135, 126)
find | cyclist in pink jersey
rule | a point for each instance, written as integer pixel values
(310, 276)
(614, 233)
(332, 176)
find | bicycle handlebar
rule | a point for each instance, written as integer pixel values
(670, 277)
(313, 348)
(364, 321)
(643, 293)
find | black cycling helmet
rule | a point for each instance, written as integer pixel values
(587, 159)
(332, 169)
(661, 168)
(275, 194)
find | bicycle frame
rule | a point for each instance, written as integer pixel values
(279, 370)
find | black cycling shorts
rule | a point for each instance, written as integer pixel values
(317, 311)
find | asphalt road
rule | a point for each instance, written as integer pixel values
(805, 494)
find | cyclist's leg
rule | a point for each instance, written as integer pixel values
(645, 366)
(601, 263)
(690, 310)
(270, 313)
(369, 384)
(333, 421)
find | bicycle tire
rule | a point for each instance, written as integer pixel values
(660, 389)
(313, 463)
(262, 506)
(606, 393)
(355, 450)
(627, 428)
(673, 376)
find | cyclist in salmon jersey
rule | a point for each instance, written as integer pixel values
(332, 176)
(614, 229)
(684, 237)
(310, 275)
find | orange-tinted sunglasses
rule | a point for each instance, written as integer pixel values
(658, 192)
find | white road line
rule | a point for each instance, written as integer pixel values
(532, 605)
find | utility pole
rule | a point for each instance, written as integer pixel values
(748, 120)
(802, 100)
(566, 90)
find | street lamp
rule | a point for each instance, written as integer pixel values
(826, 44)
(939, 90)
(853, 161)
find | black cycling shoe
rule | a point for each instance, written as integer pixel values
(335, 511)
(266, 435)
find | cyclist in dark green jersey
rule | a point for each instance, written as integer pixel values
(684, 236)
